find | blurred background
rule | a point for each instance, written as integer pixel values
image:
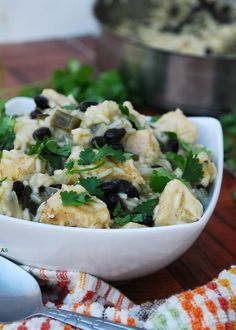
(28, 20)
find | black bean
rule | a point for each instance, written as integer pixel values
(127, 188)
(208, 51)
(110, 186)
(224, 16)
(171, 145)
(57, 186)
(117, 146)
(148, 221)
(155, 166)
(83, 106)
(114, 135)
(41, 189)
(41, 133)
(174, 10)
(98, 140)
(18, 187)
(27, 202)
(41, 102)
(111, 200)
(35, 114)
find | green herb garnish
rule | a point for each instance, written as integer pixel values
(7, 135)
(124, 220)
(146, 208)
(154, 119)
(89, 156)
(193, 148)
(122, 217)
(159, 179)
(177, 160)
(193, 169)
(171, 135)
(2, 180)
(72, 198)
(51, 151)
(92, 185)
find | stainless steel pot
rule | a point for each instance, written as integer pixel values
(198, 85)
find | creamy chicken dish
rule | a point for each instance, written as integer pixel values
(101, 165)
(201, 27)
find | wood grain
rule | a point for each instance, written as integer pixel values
(215, 248)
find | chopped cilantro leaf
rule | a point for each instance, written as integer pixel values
(154, 119)
(108, 151)
(69, 165)
(125, 111)
(193, 169)
(72, 198)
(55, 148)
(195, 149)
(92, 185)
(7, 135)
(2, 180)
(87, 157)
(146, 208)
(159, 179)
(171, 135)
(51, 151)
(117, 210)
(123, 217)
(177, 160)
(124, 220)
(35, 148)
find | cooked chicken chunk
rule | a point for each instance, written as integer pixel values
(209, 169)
(175, 121)
(140, 118)
(82, 136)
(94, 214)
(177, 205)
(55, 98)
(15, 164)
(9, 204)
(143, 144)
(24, 129)
(102, 113)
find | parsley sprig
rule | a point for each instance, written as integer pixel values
(49, 150)
(72, 198)
(89, 156)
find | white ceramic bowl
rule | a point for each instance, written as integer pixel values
(111, 254)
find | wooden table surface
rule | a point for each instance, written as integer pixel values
(215, 248)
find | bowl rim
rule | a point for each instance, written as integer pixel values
(126, 39)
(199, 223)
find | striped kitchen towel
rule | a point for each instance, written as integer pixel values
(212, 306)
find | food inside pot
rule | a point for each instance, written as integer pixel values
(197, 27)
